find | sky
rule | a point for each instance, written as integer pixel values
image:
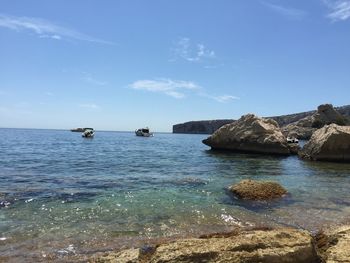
(125, 64)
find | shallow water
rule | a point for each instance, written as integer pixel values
(62, 195)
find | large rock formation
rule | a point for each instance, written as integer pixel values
(273, 246)
(250, 134)
(330, 143)
(210, 126)
(255, 190)
(304, 128)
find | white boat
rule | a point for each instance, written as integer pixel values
(143, 132)
(88, 133)
(292, 140)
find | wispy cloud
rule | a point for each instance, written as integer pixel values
(89, 106)
(339, 9)
(45, 29)
(289, 12)
(178, 89)
(185, 49)
(173, 88)
(221, 98)
(215, 66)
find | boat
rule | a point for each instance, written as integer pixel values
(80, 129)
(88, 133)
(143, 132)
(292, 140)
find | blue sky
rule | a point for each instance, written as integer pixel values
(121, 65)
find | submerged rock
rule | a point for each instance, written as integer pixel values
(255, 190)
(272, 246)
(330, 143)
(250, 134)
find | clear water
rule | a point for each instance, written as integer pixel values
(62, 195)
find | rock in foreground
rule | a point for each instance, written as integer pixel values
(334, 246)
(330, 143)
(250, 134)
(255, 190)
(274, 246)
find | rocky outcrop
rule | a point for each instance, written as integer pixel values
(200, 127)
(304, 128)
(330, 143)
(334, 245)
(210, 126)
(255, 190)
(272, 246)
(250, 134)
(300, 132)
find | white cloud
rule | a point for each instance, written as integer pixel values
(288, 12)
(225, 98)
(56, 37)
(45, 29)
(173, 88)
(178, 89)
(220, 98)
(184, 49)
(339, 9)
(89, 106)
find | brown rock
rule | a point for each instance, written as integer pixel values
(275, 246)
(294, 148)
(255, 190)
(300, 132)
(330, 143)
(250, 134)
(304, 128)
(334, 245)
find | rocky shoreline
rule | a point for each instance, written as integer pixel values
(330, 138)
(299, 123)
(250, 134)
(260, 135)
(244, 245)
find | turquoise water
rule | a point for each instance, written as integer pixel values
(62, 195)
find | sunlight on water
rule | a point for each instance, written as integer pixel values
(63, 195)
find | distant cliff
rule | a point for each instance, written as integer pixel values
(200, 127)
(209, 126)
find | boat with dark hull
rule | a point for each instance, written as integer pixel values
(88, 133)
(80, 129)
(144, 132)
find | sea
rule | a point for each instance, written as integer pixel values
(64, 197)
